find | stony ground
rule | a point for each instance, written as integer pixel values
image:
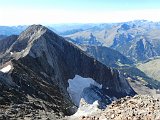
(25, 112)
(139, 107)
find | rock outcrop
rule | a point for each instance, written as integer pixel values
(139, 107)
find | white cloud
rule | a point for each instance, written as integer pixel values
(17, 16)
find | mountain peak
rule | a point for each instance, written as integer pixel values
(34, 29)
(27, 37)
(37, 27)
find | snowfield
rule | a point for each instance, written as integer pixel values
(77, 85)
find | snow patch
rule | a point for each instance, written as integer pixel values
(87, 109)
(6, 69)
(11, 53)
(77, 85)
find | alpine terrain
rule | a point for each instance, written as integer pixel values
(137, 40)
(43, 76)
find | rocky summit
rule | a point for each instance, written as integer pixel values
(35, 69)
(139, 107)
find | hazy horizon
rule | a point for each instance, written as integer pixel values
(29, 12)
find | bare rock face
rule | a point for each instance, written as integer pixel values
(142, 50)
(42, 62)
(7, 42)
(108, 56)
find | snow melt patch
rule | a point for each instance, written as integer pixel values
(6, 69)
(11, 53)
(87, 109)
(77, 85)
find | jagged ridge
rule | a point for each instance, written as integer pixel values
(41, 60)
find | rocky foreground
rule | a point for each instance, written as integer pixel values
(139, 107)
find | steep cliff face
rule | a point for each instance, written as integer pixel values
(7, 42)
(108, 56)
(142, 50)
(43, 62)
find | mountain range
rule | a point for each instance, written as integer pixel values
(38, 75)
(140, 37)
(137, 40)
(47, 76)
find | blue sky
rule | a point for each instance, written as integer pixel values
(14, 12)
(84, 4)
